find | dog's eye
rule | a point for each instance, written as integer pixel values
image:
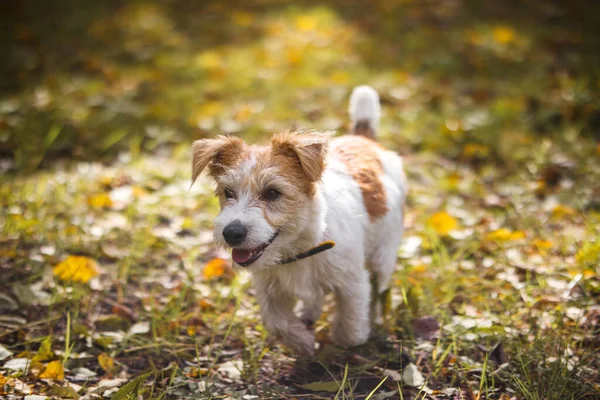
(272, 195)
(229, 194)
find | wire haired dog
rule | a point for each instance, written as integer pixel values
(281, 199)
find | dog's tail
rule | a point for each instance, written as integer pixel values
(365, 111)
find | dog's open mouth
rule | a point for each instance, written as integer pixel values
(245, 257)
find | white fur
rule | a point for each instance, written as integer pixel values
(364, 106)
(336, 212)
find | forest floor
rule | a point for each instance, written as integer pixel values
(111, 284)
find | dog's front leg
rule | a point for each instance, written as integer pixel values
(352, 324)
(277, 310)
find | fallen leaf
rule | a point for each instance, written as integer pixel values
(4, 352)
(3, 382)
(54, 370)
(475, 150)
(99, 201)
(411, 376)
(76, 269)
(395, 375)
(503, 34)
(44, 353)
(64, 392)
(131, 387)
(140, 328)
(214, 268)
(541, 244)
(442, 223)
(18, 364)
(425, 327)
(233, 369)
(106, 363)
(562, 211)
(504, 235)
(243, 18)
(329, 386)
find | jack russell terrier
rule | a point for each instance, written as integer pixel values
(280, 200)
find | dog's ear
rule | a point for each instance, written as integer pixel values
(310, 148)
(217, 154)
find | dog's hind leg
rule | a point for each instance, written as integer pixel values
(382, 263)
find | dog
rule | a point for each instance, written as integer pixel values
(282, 199)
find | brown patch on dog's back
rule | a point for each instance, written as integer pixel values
(359, 155)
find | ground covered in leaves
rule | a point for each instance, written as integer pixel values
(111, 286)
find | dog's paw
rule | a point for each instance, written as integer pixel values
(300, 340)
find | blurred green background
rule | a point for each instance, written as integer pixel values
(89, 79)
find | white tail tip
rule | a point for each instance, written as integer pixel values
(365, 107)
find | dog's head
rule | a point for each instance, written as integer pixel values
(265, 192)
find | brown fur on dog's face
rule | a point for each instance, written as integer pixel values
(268, 188)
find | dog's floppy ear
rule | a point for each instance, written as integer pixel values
(310, 148)
(217, 154)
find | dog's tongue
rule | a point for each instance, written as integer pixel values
(241, 255)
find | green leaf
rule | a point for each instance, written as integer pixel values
(329, 386)
(130, 388)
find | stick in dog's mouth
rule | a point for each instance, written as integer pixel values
(245, 257)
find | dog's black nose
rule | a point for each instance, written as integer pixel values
(235, 233)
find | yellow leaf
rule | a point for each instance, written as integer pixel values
(504, 34)
(191, 330)
(76, 269)
(100, 201)
(210, 108)
(561, 211)
(541, 243)
(206, 305)
(340, 77)
(472, 150)
(106, 363)
(504, 235)
(294, 55)
(244, 113)
(209, 60)
(45, 351)
(243, 18)
(442, 223)
(54, 370)
(214, 268)
(306, 23)
(589, 253)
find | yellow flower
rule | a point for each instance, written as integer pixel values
(442, 223)
(76, 269)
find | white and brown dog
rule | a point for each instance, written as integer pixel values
(282, 199)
